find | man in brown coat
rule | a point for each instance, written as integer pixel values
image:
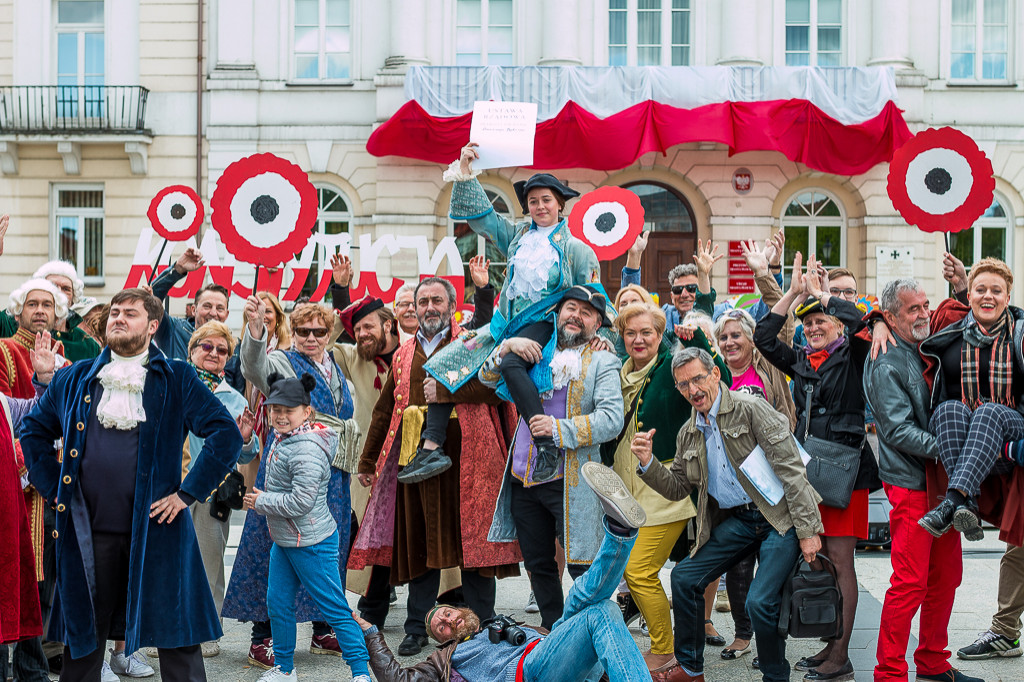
(420, 528)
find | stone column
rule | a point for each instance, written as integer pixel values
(235, 35)
(560, 45)
(409, 31)
(890, 34)
(739, 25)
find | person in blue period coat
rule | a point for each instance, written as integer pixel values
(128, 562)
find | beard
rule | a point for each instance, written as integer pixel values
(567, 339)
(368, 349)
(432, 323)
(128, 345)
(470, 626)
(920, 332)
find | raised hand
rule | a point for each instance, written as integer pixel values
(637, 250)
(478, 271)
(756, 257)
(189, 261)
(5, 221)
(246, 422)
(953, 270)
(44, 360)
(642, 446)
(774, 247)
(812, 280)
(468, 156)
(706, 256)
(255, 310)
(341, 269)
(796, 280)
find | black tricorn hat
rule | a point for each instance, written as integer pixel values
(290, 392)
(586, 294)
(523, 188)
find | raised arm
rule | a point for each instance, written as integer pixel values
(767, 337)
(469, 203)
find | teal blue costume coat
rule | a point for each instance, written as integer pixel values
(169, 600)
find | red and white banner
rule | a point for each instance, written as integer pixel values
(841, 121)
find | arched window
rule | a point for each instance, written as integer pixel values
(990, 236)
(471, 244)
(814, 222)
(333, 217)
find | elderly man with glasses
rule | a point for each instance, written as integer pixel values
(778, 522)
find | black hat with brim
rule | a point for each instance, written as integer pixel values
(523, 188)
(596, 300)
(811, 305)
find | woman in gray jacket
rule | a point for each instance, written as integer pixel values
(305, 535)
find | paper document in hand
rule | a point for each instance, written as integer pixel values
(759, 472)
(504, 132)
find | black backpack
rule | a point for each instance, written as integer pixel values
(812, 603)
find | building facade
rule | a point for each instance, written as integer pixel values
(310, 80)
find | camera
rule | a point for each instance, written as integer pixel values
(503, 628)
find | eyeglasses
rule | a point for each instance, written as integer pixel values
(403, 306)
(215, 350)
(319, 332)
(678, 289)
(836, 291)
(694, 382)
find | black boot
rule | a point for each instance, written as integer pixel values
(548, 458)
(965, 520)
(940, 519)
(425, 464)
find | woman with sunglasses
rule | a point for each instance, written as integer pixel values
(246, 598)
(830, 367)
(209, 348)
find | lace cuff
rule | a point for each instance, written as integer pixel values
(453, 173)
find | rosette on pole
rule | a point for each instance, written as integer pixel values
(264, 209)
(940, 180)
(609, 219)
(176, 213)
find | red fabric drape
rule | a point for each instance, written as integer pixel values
(575, 138)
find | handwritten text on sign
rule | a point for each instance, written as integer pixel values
(505, 132)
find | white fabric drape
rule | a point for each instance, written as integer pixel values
(851, 95)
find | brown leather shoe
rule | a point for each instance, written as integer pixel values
(673, 672)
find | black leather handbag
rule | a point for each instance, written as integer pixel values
(833, 468)
(812, 603)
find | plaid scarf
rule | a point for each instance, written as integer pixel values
(209, 378)
(997, 342)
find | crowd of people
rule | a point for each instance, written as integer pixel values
(552, 429)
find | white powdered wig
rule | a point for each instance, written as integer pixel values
(18, 296)
(64, 269)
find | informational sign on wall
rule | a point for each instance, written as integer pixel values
(893, 262)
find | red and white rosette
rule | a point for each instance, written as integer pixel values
(176, 213)
(264, 209)
(941, 181)
(609, 219)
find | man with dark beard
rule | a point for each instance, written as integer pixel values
(128, 562)
(583, 410)
(421, 528)
(590, 636)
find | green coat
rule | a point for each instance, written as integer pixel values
(77, 344)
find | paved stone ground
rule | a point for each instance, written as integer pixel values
(972, 612)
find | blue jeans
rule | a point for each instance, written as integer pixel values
(28, 664)
(591, 631)
(315, 568)
(739, 536)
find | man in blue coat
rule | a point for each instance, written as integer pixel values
(128, 562)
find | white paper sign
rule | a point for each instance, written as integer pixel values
(505, 132)
(759, 472)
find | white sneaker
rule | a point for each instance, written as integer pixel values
(275, 674)
(611, 492)
(361, 678)
(531, 604)
(107, 675)
(210, 649)
(132, 666)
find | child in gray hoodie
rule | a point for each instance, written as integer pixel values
(305, 549)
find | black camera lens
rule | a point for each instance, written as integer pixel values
(515, 635)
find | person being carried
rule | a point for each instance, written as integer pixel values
(590, 633)
(305, 549)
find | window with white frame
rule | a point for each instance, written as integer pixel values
(471, 244)
(80, 58)
(322, 40)
(990, 236)
(483, 33)
(649, 32)
(814, 223)
(814, 32)
(979, 46)
(77, 229)
(333, 216)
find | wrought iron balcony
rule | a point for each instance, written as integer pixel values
(72, 109)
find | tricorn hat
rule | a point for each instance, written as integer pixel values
(589, 295)
(523, 188)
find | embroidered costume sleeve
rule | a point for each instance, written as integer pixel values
(605, 422)
(470, 203)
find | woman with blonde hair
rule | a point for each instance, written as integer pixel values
(652, 402)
